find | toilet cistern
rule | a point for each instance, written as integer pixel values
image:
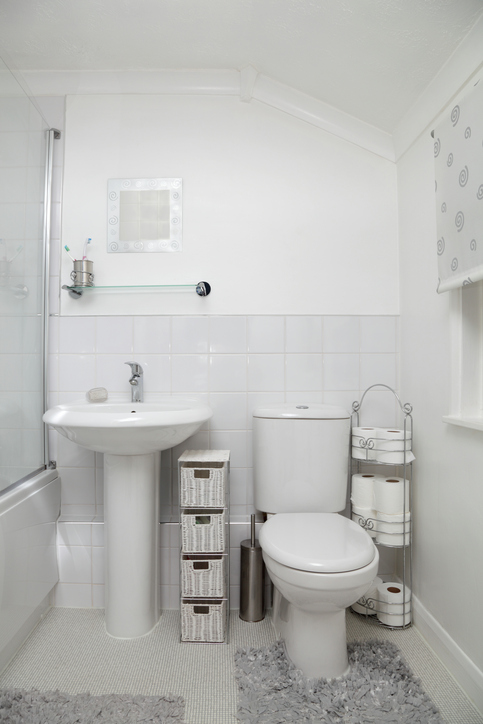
(136, 382)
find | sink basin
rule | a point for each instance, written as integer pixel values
(132, 435)
(127, 428)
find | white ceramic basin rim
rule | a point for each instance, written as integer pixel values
(127, 428)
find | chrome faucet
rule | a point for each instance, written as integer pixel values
(136, 382)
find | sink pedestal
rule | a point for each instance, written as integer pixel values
(131, 509)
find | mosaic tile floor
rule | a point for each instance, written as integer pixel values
(70, 651)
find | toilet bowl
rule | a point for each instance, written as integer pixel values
(319, 563)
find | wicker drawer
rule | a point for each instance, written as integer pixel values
(203, 621)
(203, 577)
(203, 532)
(202, 485)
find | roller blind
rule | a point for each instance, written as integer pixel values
(458, 161)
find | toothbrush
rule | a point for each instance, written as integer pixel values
(68, 250)
(84, 254)
(19, 249)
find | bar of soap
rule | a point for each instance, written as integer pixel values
(97, 394)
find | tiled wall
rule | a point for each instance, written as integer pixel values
(235, 363)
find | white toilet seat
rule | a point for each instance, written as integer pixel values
(317, 542)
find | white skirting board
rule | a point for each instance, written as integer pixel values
(466, 673)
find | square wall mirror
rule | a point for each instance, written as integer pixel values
(144, 215)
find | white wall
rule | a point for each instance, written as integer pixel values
(279, 216)
(448, 491)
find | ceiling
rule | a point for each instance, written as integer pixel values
(369, 58)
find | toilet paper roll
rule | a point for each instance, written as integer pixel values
(391, 445)
(394, 608)
(393, 530)
(358, 607)
(364, 443)
(394, 458)
(366, 518)
(362, 490)
(391, 495)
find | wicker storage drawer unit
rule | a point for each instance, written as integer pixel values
(203, 531)
(204, 519)
(203, 621)
(203, 577)
(202, 485)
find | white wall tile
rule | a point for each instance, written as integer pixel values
(75, 563)
(381, 409)
(113, 373)
(378, 334)
(156, 372)
(77, 335)
(77, 372)
(98, 555)
(54, 294)
(228, 373)
(73, 595)
(303, 371)
(229, 410)
(54, 334)
(341, 334)
(78, 486)
(228, 335)
(98, 596)
(97, 534)
(265, 334)
(189, 335)
(342, 398)
(114, 335)
(304, 397)
(341, 371)
(303, 334)
(233, 440)
(266, 372)
(189, 373)
(198, 441)
(73, 534)
(378, 369)
(77, 511)
(69, 454)
(152, 335)
(238, 486)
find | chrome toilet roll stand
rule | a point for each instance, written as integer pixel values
(392, 613)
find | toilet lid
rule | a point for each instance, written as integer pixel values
(318, 542)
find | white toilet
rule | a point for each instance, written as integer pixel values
(319, 562)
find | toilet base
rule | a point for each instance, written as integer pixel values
(315, 642)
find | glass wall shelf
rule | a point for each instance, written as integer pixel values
(202, 288)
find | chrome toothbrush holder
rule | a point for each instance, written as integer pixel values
(83, 273)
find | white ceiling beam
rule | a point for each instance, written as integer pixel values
(248, 84)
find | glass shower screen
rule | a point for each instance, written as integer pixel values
(22, 176)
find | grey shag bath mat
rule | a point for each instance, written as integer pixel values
(380, 688)
(18, 706)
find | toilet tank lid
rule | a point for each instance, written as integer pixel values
(302, 411)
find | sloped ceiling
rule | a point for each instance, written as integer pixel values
(369, 58)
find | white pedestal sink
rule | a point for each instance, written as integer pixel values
(131, 436)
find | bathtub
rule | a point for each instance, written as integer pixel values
(28, 557)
